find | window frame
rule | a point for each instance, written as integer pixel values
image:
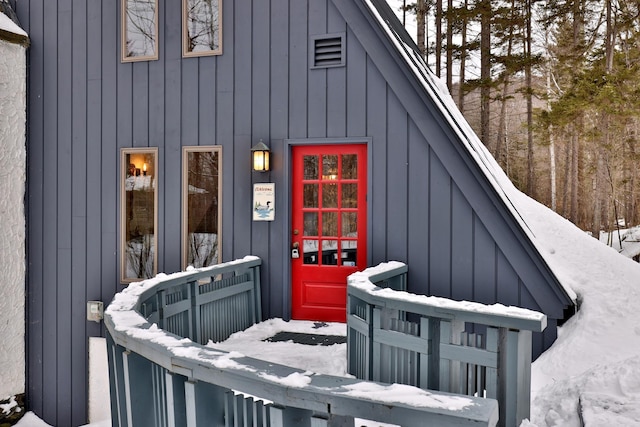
(186, 53)
(124, 7)
(186, 150)
(124, 169)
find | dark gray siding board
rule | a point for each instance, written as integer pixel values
(507, 282)
(110, 157)
(80, 179)
(49, 240)
(32, 18)
(397, 179)
(260, 111)
(484, 264)
(417, 211)
(317, 81)
(279, 237)
(461, 248)
(206, 109)
(224, 130)
(242, 39)
(376, 105)
(439, 223)
(336, 82)
(356, 113)
(298, 70)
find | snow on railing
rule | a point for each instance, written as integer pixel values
(162, 378)
(398, 337)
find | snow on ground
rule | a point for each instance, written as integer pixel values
(591, 374)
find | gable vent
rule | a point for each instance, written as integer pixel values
(328, 51)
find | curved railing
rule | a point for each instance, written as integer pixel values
(435, 343)
(163, 378)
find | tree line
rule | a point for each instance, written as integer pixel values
(553, 90)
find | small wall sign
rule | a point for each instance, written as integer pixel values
(264, 201)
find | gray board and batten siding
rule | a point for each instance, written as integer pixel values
(429, 204)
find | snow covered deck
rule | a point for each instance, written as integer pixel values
(161, 378)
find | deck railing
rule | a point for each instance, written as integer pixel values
(161, 377)
(397, 337)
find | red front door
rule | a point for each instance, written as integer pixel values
(329, 227)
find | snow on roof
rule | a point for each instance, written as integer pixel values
(441, 97)
(7, 25)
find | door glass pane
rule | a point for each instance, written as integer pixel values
(330, 167)
(349, 224)
(310, 196)
(349, 252)
(310, 252)
(330, 252)
(329, 223)
(329, 195)
(349, 166)
(201, 178)
(310, 167)
(139, 202)
(349, 195)
(310, 224)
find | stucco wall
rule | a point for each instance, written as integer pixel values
(12, 221)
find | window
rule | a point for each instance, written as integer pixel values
(138, 218)
(139, 30)
(201, 27)
(201, 207)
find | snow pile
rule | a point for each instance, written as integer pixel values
(592, 372)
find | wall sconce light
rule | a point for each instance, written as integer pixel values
(260, 154)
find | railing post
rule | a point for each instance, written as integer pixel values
(116, 382)
(514, 372)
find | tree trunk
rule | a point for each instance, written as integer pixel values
(420, 22)
(531, 181)
(449, 44)
(463, 57)
(438, 52)
(485, 69)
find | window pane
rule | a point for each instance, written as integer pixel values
(310, 195)
(349, 224)
(202, 177)
(349, 252)
(349, 166)
(330, 224)
(330, 167)
(140, 21)
(310, 167)
(201, 27)
(329, 195)
(310, 224)
(310, 252)
(138, 241)
(330, 252)
(349, 195)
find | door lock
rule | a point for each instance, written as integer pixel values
(295, 253)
